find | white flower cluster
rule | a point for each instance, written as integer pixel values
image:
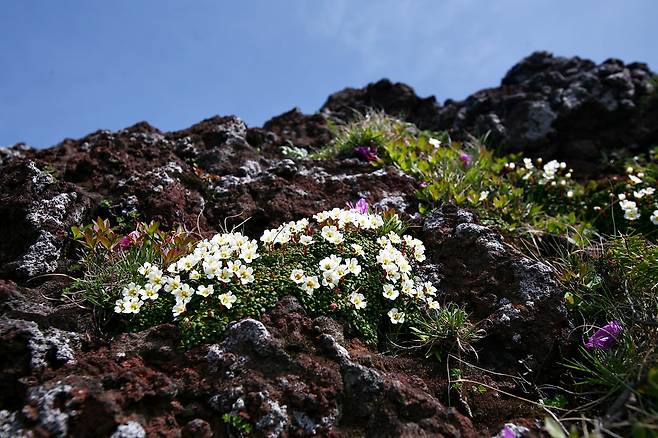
(553, 173)
(630, 208)
(550, 171)
(395, 256)
(222, 259)
(290, 231)
(396, 265)
(347, 218)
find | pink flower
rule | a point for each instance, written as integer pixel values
(424, 184)
(606, 336)
(129, 239)
(361, 206)
(465, 158)
(368, 153)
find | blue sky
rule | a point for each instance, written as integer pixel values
(71, 67)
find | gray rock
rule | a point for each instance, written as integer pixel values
(132, 429)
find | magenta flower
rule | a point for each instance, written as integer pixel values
(129, 239)
(507, 432)
(465, 158)
(361, 206)
(606, 336)
(368, 153)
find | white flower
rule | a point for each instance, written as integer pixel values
(358, 300)
(297, 275)
(331, 234)
(483, 195)
(419, 256)
(390, 292)
(358, 250)
(310, 284)
(245, 274)
(434, 142)
(394, 237)
(621, 196)
(184, 293)
(268, 236)
(146, 269)
(155, 277)
(194, 274)
(120, 306)
(432, 304)
(570, 194)
(149, 292)
(227, 299)
(634, 179)
(330, 279)
(528, 163)
(330, 263)
(649, 191)
(632, 214)
(185, 264)
(205, 291)
(234, 266)
(131, 290)
(408, 287)
(133, 305)
(341, 271)
(654, 217)
(396, 316)
(630, 209)
(178, 309)
(429, 288)
(353, 266)
(212, 267)
(225, 275)
(248, 255)
(305, 240)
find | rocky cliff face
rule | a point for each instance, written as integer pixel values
(290, 374)
(547, 106)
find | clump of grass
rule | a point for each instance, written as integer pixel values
(371, 131)
(446, 330)
(612, 289)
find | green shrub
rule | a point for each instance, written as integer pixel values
(110, 258)
(350, 264)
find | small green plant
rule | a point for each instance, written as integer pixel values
(294, 151)
(237, 422)
(446, 330)
(111, 259)
(455, 379)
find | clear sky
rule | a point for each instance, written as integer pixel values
(71, 67)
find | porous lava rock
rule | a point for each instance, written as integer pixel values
(283, 375)
(394, 98)
(571, 108)
(36, 214)
(517, 300)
